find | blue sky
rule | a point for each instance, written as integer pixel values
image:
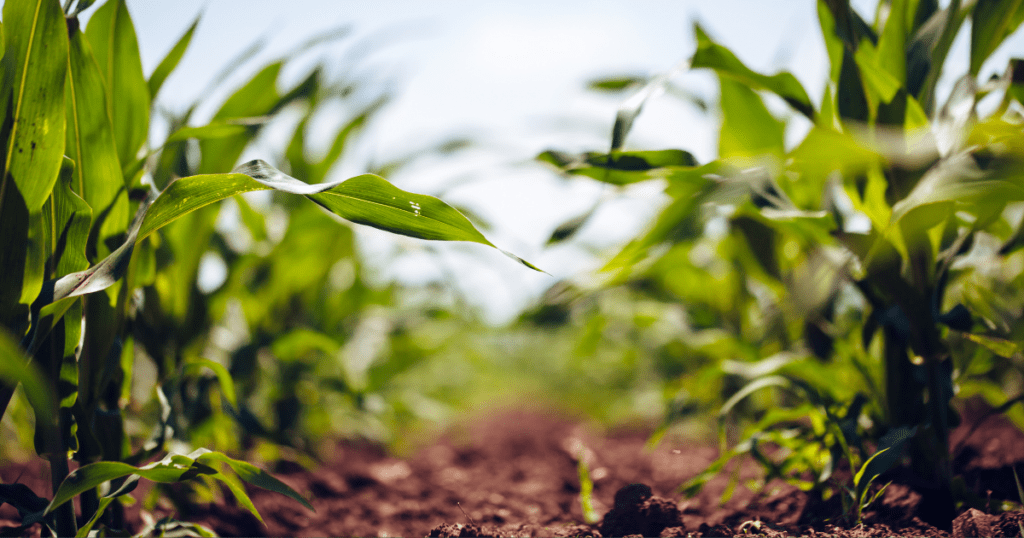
(510, 74)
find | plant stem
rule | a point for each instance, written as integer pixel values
(65, 513)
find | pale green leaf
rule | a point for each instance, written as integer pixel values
(749, 131)
(170, 62)
(115, 46)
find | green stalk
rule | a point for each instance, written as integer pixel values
(65, 513)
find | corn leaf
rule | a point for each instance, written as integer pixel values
(116, 48)
(173, 468)
(991, 23)
(90, 143)
(170, 62)
(712, 55)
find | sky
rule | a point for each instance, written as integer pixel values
(512, 76)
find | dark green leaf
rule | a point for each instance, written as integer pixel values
(631, 107)
(616, 84)
(991, 23)
(15, 368)
(622, 167)
(714, 56)
(890, 449)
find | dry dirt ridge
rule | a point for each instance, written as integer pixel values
(515, 474)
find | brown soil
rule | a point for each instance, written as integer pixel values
(515, 474)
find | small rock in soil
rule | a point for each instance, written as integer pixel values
(974, 522)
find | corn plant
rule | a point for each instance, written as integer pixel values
(847, 260)
(89, 269)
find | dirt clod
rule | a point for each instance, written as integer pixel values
(638, 512)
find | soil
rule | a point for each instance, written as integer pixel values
(515, 474)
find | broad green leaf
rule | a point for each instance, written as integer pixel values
(173, 468)
(207, 132)
(339, 143)
(227, 384)
(880, 83)
(15, 368)
(372, 201)
(90, 142)
(254, 475)
(833, 43)
(712, 55)
(258, 97)
(366, 199)
(957, 180)
(622, 167)
(892, 55)
(749, 131)
(116, 49)
(825, 150)
(36, 44)
(14, 220)
(170, 62)
(991, 23)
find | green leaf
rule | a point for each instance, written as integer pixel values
(991, 23)
(221, 129)
(227, 384)
(999, 346)
(616, 84)
(14, 221)
(15, 368)
(880, 83)
(631, 107)
(749, 131)
(35, 41)
(35, 45)
(366, 199)
(622, 167)
(372, 201)
(892, 55)
(173, 468)
(90, 142)
(258, 97)
(254, 475)
(890, 449)
(170, 62)
(116, 48)
(712, 55)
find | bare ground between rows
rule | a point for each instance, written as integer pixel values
(514, 473)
